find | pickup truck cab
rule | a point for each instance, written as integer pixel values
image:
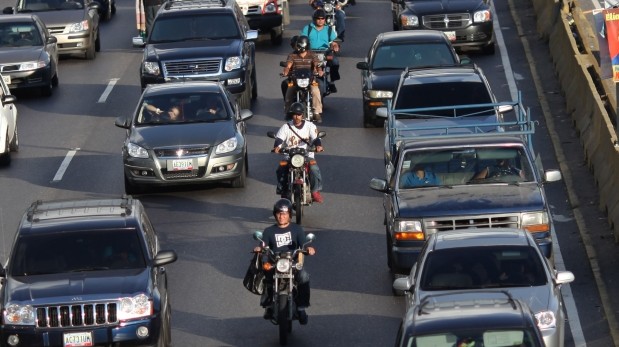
(267, 16)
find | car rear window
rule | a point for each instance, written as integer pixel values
(445, 94)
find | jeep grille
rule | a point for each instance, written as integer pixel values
(78, 315)
(447, 21)
(191, 68)
(495, 221)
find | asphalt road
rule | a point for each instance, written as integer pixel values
(210, 227)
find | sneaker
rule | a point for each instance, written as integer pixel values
(268, 313)
(317, 197)
(302, 316)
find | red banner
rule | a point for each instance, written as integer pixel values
(611, 20)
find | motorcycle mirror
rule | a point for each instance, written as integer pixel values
(310, 237)
(258, 235)
(282, 63)
(271, 134)
(322, 134)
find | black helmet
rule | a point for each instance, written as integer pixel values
(282, 205)
(302, 44)
(319, 13)
(296, 108)
(293, 41)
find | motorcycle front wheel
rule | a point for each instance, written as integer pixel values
(283, 320)
(298, 203)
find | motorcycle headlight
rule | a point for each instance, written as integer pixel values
(297, 160)
(328, 8)
(76, 27)
(134, 307)
(19, 314)
(136, 151)
(233, 63)
(409, 21)
(546, 320)
(227, 146)
(283, 265)
(536, 222)
(151, 68)
(302, 82)
(482, 16)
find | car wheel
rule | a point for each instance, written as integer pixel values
(131, 188)
(108, 11)
(389, 256)
(367, 119)
(14, 144)
(90, 53)
(46, 90)
(165, 335)
(239, 182)
(254, 85)
(5, 159)
(489, 50)
(244, 99)
(277, 37)
(55, 80)
(98, 42)
(113, 7)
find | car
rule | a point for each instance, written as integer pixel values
(467, 23)
(390, 54)
(74, 23)
(470, 319)
(28, 53)
(107, 8)
(9, 140)
(201, 40)
(199, 147)
(266, 16)
(487, 260)
(86, 272)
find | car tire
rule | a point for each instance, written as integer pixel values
(47, 89)
(254, 85)
(244, 99)
(90, 53)
(368, 122)
(55, 80)
(14, 144)
(98, 42)
(131, 188)
(5, 159)
(389, 256)
(165, 335)
(277, 37)
(239, 182)
(489, 50)
(108, 11)
(113, 7)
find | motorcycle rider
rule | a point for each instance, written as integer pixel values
(299, 133)
(340, 16)
(281, 237)
(303, 58)
(322, 37)
(293, 45)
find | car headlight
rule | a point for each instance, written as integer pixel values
(233, 63)
(135, 307)
(227, 146)
(482, 16)
(283, 265)
(136, 151)
(297, 160)
(535, 222)
(408, 230)
(19, 314)
(409, 21)
(546, 320)
(32, 65)
(302, 82)
(76, 27)
(151, 68)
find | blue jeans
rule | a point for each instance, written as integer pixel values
(340, 23)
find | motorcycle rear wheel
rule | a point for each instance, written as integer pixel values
(283, 321)
(298, 204)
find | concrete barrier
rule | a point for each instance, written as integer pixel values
(584, 104)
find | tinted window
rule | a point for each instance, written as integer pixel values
(404, 55)
(77, 251)
(194, 27)
(19, 35)
(183, 108)
(445, 94)
(51, 5)
(476, 337)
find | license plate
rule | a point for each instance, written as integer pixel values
(77, 339)
(6, 79)
(451, 35)
(180, 165)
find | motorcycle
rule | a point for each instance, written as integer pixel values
(302, 80)
(298, 185)
(285, 266)
(329, 6)
(327, 87)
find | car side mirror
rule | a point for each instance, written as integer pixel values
(122, 122)
(164, 257)
(7, 10)
(137, 41)
(52, 39)
(362, 65)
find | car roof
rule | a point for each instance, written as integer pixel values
(19, 17)
(172, 87)
(412, 36)
(473, 141)
(172, 6)
(443, 74)
(480, 237)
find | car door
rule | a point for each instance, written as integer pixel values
(93, 17)
(9, 111)
(50, 47)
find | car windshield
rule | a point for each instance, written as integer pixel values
(422, 95)
(410, 54)
(458, 166)
(482, 267)
(88, 250)
(19, 35)
(195, 27)
(50, 5)
(476, 338)
(179, 108)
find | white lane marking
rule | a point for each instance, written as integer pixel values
(568, 298)
(107, 90)
(65, 163)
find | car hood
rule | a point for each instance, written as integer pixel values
(20, 54)
(469, 200)
(171, 135)
(82, 286)
(384, 79)
(191, 50)
(61, 18)
(426, 7)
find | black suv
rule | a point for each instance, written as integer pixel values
(86, 273)
(467, 23)
(202, 40)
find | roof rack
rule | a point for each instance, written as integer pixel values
(410, 69)
(53, 209)
(464, 126)
(428, 299)
(185, 4)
